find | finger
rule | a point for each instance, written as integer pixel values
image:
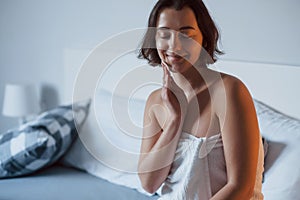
(166, 66)
(166, 76)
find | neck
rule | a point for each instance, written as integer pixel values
(191, 81)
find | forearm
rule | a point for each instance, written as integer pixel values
(233, 192)
(154, 165)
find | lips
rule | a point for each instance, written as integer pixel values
(174, 58)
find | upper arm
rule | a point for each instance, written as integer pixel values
(151, 126)
(240, 133)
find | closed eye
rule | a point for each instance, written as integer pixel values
(164, 34)
(186, 36)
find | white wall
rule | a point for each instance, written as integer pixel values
(34, 34)
(259, 30)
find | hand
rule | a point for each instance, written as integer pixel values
(172, 95)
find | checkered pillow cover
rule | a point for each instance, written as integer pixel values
(41, 142)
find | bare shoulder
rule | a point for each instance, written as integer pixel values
(154, 108)
(230, 90)
(154, 101)
(230, 86)
(154, 97)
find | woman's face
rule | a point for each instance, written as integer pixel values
(178, 38)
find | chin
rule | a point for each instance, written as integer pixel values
(179, 68)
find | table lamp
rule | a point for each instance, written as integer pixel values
(20, 101)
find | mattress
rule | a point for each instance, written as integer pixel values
(59, 182)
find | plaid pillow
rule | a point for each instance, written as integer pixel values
(41, 142)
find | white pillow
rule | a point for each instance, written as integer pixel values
(108, 150)
(282, 166)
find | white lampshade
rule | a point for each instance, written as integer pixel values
(20, 100)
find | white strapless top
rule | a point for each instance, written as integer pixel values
(199, 170)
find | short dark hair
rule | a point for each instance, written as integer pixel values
(205, 23)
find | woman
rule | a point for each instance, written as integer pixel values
(200, 138)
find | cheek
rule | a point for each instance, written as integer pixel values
(194, 50)
(195, 45)
(161, 46)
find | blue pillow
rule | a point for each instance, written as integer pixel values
(42, 141)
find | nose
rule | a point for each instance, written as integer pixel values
(175, 44)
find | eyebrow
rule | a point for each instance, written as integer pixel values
(181, 28)
(187, 27)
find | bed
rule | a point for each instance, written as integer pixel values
(60, 182)
(103, 166)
